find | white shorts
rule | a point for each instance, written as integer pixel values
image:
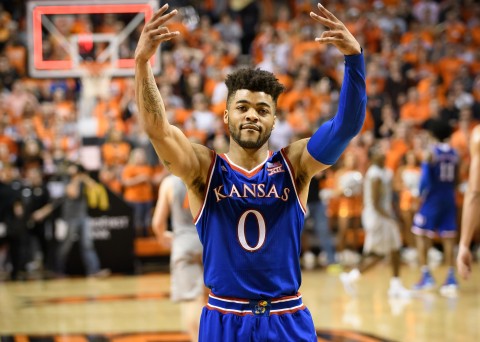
(382, 235)
(186, 268)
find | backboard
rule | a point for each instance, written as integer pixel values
(63, 40)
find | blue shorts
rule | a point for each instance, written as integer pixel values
(237, 320)
(436, 220)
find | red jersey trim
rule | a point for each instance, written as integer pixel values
(292, 176)
(246, 301)
(243, 171)
(229, 299)
(209, 177)
(250, 313)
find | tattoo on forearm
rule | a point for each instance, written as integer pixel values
(151, 99)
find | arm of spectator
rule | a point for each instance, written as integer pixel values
(41, 214)
(72, 190)
(135, 180)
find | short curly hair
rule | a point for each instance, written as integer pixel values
(255, 80)
(440, 129)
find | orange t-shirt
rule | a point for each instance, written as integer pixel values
(397, 150)
(12, 146)
(414, 112)
(115, 153)
(141, 192)
(448, 68)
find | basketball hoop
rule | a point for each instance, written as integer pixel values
(86, 41)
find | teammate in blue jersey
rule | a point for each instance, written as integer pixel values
(437, 215)
(249, 203)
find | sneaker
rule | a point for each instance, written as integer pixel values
(409, 255)
(309, 260)
(450, 286)
(434, 256)
(349, 258)
(426, 282)
(396, 290)
(398, 305)
(103, 273)
(349, 280)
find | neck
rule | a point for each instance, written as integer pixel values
(247, 158)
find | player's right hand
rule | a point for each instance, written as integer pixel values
(337, 33)
(464, 262)
(153, 34)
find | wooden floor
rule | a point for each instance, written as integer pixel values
(137, 308)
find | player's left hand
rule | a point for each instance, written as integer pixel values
(464, 262)
(338, 34)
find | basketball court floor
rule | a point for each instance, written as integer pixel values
(137, 308)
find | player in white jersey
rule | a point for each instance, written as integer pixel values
(186, 256)
(382, 234)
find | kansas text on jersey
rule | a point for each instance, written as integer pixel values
(250, 226)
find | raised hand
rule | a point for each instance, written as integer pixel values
(154, 33)
(337, 34)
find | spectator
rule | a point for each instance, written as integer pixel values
(37, 208)
(12, 220)
(74, 221)
(115, 150)
(136, 179)
(283, 133)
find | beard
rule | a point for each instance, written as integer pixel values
(236, 133)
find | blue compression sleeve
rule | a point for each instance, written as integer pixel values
(330, 140)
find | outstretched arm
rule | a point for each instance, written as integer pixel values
(330, 140)
(182, 158)
(471, 205)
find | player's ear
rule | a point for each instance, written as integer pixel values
(274, 120)
(225, 116)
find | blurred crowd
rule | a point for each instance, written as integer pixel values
(422, 60)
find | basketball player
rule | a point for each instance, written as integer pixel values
(249, 203)
(471, 206)
(382, 233)
(186, 256)
(437, 213)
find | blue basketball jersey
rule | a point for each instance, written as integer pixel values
(250, 226)
(440, 175)
(437, 215)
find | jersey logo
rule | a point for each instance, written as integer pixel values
(273, 168)
(260, 308)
